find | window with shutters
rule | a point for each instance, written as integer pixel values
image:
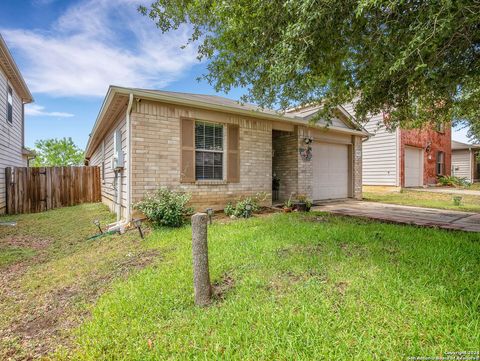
(208, 151)
(10, 105)
(440, 163)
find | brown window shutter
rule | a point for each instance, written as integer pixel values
(187, 155)
(233, 153)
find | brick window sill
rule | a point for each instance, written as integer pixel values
(210, 182)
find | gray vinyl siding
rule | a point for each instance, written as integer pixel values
(461, 164)
(380, 152)
(108, 183)
(11, 136)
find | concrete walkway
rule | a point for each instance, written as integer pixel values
(427, 217)
(447, 190)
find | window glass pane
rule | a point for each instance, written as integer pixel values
(208, 136)
(10, 96)
(209, 144)
(217, 159)
(218, 172)
(208, 159)
(208, 173)
(199, 136)
(208, 165)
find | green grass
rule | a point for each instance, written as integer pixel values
(9, 255)
(474, 186)
(469, 203)
(50, 275)
(295, 288)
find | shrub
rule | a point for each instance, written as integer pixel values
(165, 207)
(452, 181)
(245, 207)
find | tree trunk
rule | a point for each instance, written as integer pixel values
(201, 276)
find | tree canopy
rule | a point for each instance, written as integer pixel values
(57, 152)
(416, 60)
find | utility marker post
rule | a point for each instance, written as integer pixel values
(201, 275)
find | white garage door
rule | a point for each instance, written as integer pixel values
(413, 167)
(330, 171)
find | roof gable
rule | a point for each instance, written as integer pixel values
(13, 73)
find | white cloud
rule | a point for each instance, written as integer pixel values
(97, 43)
(35, 110)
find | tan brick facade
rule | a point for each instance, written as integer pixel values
(156, 155)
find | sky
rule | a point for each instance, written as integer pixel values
(70, 51)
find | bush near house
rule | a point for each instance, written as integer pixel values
(245, 207)
(165, 207)
(452, 181)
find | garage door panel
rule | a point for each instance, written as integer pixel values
(330, 171)
(413, 167)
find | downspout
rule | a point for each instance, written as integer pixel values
(129, 159)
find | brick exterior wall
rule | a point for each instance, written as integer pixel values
(357, 167)
(420, 139)
(285, 162)
(155, 133)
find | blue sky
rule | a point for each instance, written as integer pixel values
(70, 51)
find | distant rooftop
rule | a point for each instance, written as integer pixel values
(460, 145)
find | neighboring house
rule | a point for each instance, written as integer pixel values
(466, 161)
(404, 158)
(217, 150)
(14, 94)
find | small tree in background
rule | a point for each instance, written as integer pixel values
(57, 152)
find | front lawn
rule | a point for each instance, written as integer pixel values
(469, 203)
(295, 287)
(50, 275)
(288, 286)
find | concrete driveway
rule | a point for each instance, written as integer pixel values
(427, 217)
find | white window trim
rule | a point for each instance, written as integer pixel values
(223, 151)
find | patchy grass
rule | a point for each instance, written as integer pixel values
(425, 199)
(474, 186)
(295, 287)
(50, 274)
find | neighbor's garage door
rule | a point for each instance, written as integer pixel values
(330, 171)
(413, 167)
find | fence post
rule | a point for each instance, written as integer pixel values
(201, 276)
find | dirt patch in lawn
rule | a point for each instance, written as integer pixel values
(25, 242)
(42, 321)
(223, 286)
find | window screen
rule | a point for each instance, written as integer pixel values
(208, 151)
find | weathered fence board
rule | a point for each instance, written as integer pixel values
(31, 190)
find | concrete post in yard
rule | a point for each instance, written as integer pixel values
(201, 275)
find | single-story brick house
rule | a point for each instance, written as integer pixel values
(218, 150)
(395, 158)
(466, 161)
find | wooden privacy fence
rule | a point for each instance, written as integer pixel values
(31, 190)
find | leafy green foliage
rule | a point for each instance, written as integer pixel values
(57, 152)
(245, 207)
(418, 61)
(452, 181)
(165, 207)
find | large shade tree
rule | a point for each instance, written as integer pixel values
(57, 152)
(419, 61)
